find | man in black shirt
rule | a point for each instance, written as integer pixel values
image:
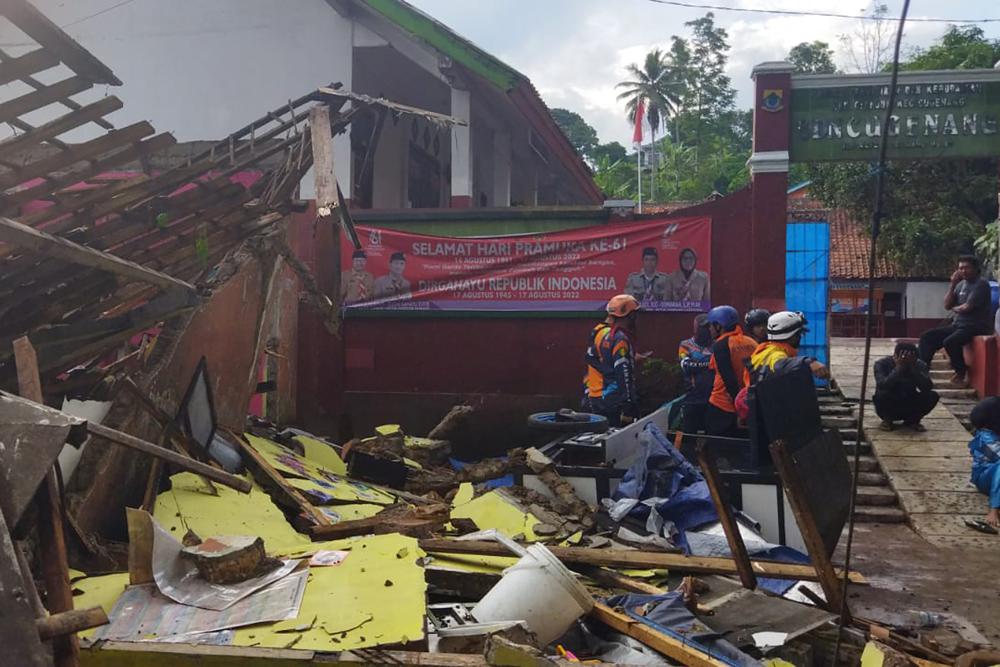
(903, 389)
(969, 301)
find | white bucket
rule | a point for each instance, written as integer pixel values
(539, 590)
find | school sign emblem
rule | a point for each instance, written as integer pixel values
(772, 99)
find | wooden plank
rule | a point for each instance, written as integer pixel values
(64, 123)
(179, 460)
(674, 649)
(26, 65)
(150, 654)
(10, 110)
(56, 247)
(729, 525)
(815, 546)
(642, 560)
(51, 539)
(268, 476)
(612, 579)
(76, 153)
(40, 28)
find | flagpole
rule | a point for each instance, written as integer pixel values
(638, 172)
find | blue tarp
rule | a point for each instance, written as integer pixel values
(663, 472)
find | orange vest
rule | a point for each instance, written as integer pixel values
(741, 347)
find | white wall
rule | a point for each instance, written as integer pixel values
(203, 68)
(925, 300)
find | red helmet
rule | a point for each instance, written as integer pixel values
(622, 305)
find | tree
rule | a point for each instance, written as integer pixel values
(962, 47)
(580, 134)
(613, 151)
(868, 47)
(812, 58)
(657, 86)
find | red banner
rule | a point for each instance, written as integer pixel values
(666, 264)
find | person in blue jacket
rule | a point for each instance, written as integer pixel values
(985, 450)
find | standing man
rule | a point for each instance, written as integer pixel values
(688, 283)
(393, 284)
(357, 284)
(969, 301)
(695, 355)
(729, 354)
(648, 284)
(609, 385)
(903, 389)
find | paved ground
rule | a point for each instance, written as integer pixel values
(929, 471)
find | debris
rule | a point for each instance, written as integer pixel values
(452, 423)
(326, 558)
(414, 521)
(566, 496)
(230, 559)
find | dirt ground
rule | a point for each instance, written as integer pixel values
(905, 572)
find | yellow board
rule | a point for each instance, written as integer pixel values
(494, 510)
(466, 492)
(102, 591)
(338, 513)
(375, 596)
(335, 490)
(284, 460)
(187, 506)
(322, 454)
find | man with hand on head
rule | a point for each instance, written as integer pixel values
(903, 389)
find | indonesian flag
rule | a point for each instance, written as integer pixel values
(640, 112)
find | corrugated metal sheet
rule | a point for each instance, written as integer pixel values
(807, 280)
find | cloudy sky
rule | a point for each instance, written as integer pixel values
(575, 51)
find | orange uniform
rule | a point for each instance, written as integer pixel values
(729, 355)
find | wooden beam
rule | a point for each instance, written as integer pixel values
(56, 247)
(64, 123)
(76, 153)
(26, 65)
(51, 539)
(10, 110)
(710, 470)
(636, 560)
(70, 622)
(41, 29)
(21, 645)
(268, 476)
(170, 456)
(674, 649)
(825, 573)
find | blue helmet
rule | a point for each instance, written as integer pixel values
(724, 316)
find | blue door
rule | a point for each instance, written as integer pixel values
(807, 281)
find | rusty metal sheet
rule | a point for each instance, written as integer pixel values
(31, 437)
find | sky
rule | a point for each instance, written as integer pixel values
(575, 51)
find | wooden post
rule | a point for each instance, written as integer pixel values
(51, 539)
(739, 550)
(327, 197)
(816, 548)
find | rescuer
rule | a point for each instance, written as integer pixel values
(609, 385)
(729, 352)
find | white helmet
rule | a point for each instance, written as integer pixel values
(785, 324)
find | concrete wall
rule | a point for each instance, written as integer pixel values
(389, 363)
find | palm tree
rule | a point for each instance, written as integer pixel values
(657, 84)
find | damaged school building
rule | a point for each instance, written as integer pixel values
(288, 328)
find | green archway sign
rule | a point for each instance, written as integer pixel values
(938, 114)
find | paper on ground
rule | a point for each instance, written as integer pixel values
(143, 614)
(179, 580)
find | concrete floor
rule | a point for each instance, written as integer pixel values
(906, 572)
